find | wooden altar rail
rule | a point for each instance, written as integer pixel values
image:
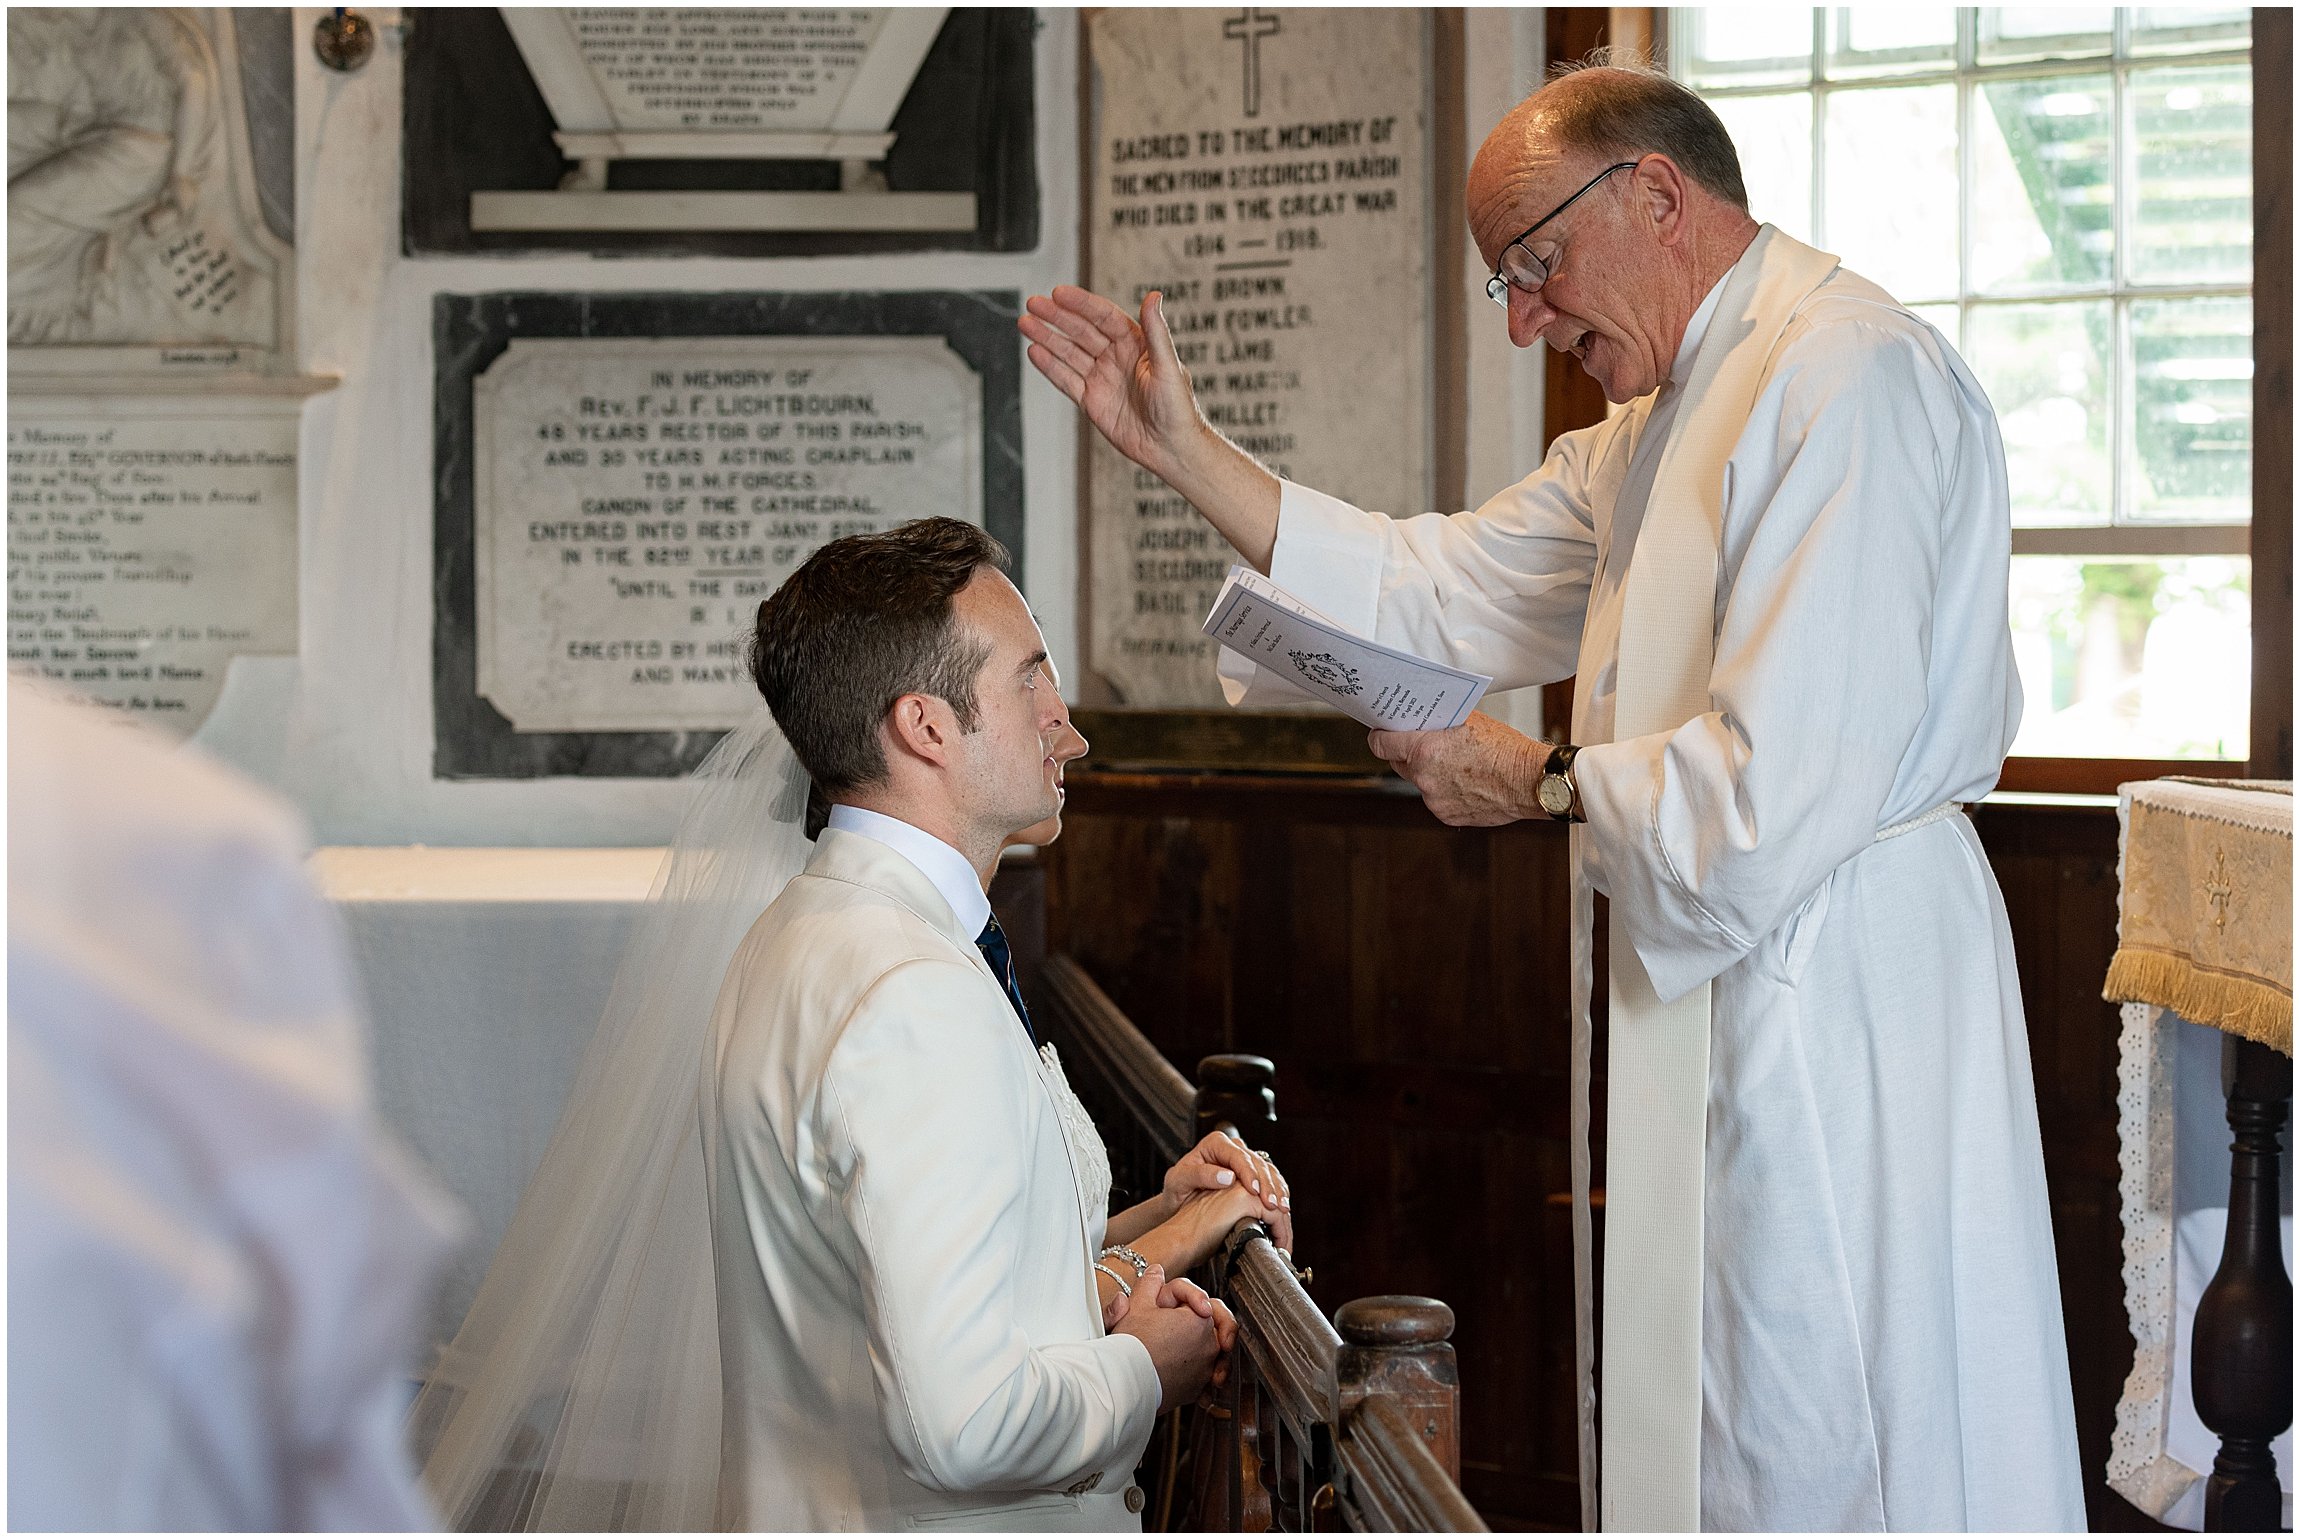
(1353, 1423)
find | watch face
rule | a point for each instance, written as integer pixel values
(1556, 796)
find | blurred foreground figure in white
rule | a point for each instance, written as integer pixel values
(216, 1258)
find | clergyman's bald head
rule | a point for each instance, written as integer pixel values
(1600, 112)
(1614, 281)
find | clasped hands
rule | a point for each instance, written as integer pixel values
(1219, 1185)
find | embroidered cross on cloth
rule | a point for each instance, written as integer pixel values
(2204, 922)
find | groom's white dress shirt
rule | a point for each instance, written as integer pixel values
(952, 874)
(909, 1328)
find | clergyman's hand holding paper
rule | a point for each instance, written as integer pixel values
(1379, 686)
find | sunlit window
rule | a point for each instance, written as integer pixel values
(2066, 193)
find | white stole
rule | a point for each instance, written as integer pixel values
(1657, 1097)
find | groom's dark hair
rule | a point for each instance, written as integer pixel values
(865, 621)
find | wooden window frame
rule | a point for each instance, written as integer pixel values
(1572, 400)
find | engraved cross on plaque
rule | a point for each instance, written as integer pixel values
(1249, 27)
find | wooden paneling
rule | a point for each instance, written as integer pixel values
(2057, 867)
(2100, 777)
(2272, 394)
(1410, 983)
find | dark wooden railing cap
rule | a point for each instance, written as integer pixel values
(1394, 1320)
(1235, 1072)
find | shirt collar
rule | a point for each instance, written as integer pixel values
(1695, 330)
(952, 875)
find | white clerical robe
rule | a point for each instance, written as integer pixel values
(1882, 1342)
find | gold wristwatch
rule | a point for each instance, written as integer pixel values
(1557, 791)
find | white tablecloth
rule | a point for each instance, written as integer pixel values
(485, 972)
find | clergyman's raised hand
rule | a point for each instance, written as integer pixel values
(1125, 375)
(1122, 373)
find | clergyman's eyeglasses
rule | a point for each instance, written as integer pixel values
(1519, 267)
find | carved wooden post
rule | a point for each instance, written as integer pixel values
(2241, 1372)
(1211, 1464)
(1396, 1345)
(1234, 1088)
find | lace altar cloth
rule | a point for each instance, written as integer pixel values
(2205, 924)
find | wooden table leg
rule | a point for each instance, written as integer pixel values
(2241, 1366)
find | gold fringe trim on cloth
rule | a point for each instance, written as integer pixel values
(2232, 1002)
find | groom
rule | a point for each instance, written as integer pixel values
(909, 1325)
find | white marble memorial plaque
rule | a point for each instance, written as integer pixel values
(720, 69)
(135, 243)
(671, 80)
(1267, 170)
(671, 83)
(635, 499)
(149, 545)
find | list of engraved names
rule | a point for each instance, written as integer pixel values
(636, 499)
(1265, 171)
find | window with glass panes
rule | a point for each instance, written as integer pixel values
(2067, 195)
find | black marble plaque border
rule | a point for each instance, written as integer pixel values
(473, 119)
(473, 740)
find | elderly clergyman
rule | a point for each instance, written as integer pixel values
(1779, 578)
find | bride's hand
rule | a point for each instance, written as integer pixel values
(1205, 1220)
(1222, 1160)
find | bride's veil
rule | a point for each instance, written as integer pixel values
(582, 1390)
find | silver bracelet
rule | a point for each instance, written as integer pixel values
(1131, 1257)
(1124, 1287)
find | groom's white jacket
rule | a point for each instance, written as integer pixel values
(908, 1322)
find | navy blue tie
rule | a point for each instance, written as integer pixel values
(1000, 956)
